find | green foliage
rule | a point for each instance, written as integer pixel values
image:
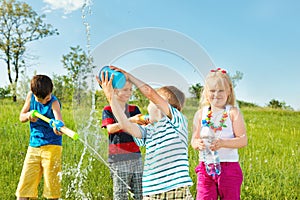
(4, 92)
(101, 100)
(77, 63)
(19, 25)
(243, 104)
(236, 78)
(63, 88)
(279, 105)
(139, 99)
(79, 66)
(196, 90)
(270, 162)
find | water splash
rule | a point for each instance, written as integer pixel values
(90, 133)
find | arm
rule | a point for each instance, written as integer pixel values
(148, 92)
(113, 128)
(239, 130)
(56, 110)
(57, 115)
(25, 113)
(123, 121)
(196, 142)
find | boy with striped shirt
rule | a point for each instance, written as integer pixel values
(166, 168)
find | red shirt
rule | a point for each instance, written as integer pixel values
(121, 144)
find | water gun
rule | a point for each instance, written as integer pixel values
(144, 117)
(59, 125)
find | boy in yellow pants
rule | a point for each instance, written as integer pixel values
(43, 156)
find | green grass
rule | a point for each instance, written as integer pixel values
(270, 162)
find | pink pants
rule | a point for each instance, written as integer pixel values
(227, 185)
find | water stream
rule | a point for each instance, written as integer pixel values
(86, 115)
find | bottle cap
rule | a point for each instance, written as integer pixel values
(119, 78)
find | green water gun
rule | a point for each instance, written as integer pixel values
(59, 125)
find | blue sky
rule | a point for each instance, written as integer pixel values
(260, 38)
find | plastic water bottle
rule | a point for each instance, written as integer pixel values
(119, 78)
(211, 158)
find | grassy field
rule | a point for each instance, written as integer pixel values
(270, 162)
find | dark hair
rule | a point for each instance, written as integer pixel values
(41, 86)
(173, 95)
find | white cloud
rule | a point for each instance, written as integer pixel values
(67, 5)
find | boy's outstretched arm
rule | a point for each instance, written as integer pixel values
(117, 110)
(148, 92)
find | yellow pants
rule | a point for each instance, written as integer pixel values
(44, 160)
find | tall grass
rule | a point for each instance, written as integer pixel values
(270, 162)
(271, 159)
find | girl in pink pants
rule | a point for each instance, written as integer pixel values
(218, 114)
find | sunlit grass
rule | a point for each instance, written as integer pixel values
(270, 162)
(272, 155)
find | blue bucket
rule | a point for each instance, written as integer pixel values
(119, 78)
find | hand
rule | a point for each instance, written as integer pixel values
(216, 145)
(138, 120)
(56, 125)
(30, 117)
(56, 131)
(106, 85)
(126, 74)
(119, 70)
(198, 144)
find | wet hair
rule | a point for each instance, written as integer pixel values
(173, 95)
(222, 79)
(41, 86)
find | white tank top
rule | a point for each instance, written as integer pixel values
(225, 154)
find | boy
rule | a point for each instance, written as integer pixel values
(124, 155)
(43, 156)
(166, 168)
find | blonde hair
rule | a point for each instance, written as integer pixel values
(173, 95)
(221, 78)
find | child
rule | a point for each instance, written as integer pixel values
(124, 155)
(45, 146)
(166, 168)
(219, 113)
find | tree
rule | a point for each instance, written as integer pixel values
(279, 105)
(196, 90)
(20, 24)
(63, 88)
(236, 77)
(76, 62)
(79, 66)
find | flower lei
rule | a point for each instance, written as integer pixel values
(207, 121)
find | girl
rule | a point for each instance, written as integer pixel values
(219, 114)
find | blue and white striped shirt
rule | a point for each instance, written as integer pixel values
(166, 161)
